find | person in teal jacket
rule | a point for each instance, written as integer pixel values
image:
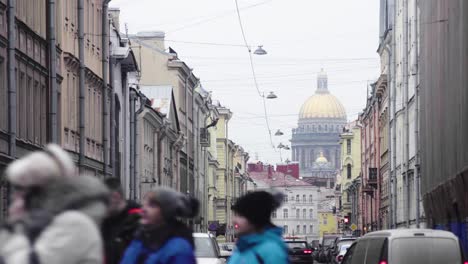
(259, 241)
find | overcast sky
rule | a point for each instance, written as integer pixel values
(300, 36)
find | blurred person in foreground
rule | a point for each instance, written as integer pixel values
(259, 241)
(54, 213)
(120, 224)
(162, 238)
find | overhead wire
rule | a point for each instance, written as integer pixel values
(254, 75)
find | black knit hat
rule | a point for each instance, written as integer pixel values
(258, 206)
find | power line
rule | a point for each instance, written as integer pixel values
(254, 75)
(216, 17)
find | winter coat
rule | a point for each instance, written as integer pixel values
(266, 247)
(64, 229)
(118, 231)
(170, 244)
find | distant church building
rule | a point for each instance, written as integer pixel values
(315, 142)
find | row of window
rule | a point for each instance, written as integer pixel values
(298, 229)
(319, 128)
(297, 199)
(298, 214)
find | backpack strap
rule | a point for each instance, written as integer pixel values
(259, 258)
(33, 257)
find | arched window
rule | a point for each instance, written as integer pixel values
(304, 213)
(310, 198)
(304, 199)
(311, 213)
(298, 213)
(273, 215)
(297, 198)
(285, 213)
(348, 171)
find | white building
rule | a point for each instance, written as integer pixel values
(298, 215)
(400, 39)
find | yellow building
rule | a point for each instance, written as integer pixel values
(327, 223)
(350, 141)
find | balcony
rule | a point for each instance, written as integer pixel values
(204, 137)
(372, 181)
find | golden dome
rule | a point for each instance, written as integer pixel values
(322, 105)
(321, 159)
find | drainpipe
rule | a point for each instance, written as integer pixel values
(416, 125)
(390, 151)
(137, 136)
(161, 136)
(12, 120)
(132, 141)
(112, 118)
(105, 80)
(393, 122)
(187, 131)
(53, 73)
(406, 122)
(81, 84)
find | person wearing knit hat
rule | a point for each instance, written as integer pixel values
(163, 238)
(259, 241)
(54, 213)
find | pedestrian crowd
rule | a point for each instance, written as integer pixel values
(57, 216)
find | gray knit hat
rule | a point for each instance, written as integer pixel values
(173, 204)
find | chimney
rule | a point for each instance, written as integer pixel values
(114, 13)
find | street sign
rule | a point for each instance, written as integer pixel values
(353, 227)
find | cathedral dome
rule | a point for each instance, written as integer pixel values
(322, 104)
(321, 159)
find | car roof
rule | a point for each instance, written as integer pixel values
(397, 233)
(201, 235)
(295, 241)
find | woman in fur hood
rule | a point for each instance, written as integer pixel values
(54, 214)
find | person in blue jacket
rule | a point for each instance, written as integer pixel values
(259, 241)
(162, 238)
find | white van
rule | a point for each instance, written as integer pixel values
(406, 246)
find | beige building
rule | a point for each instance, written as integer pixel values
(159, 67)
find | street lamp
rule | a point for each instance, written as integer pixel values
(271, 95)
(260, 51)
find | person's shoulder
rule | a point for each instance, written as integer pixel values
(179, 244)
(73, 218)
(272, 248)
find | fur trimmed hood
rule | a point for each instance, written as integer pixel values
(40, 167)
(86, 194)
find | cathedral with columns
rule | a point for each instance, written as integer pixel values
(315, 141)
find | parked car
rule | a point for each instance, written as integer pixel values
(327, 242)
(207, 250)
(226, 249)
(336, 247)
(406, 246)
(343, 249)
(300, 251)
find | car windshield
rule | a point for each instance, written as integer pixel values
(204, 247)
(293, 245)
(344, 248)
(417, 250)
(328, 241)
(344, 244)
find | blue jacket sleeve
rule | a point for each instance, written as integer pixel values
(182, 259)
